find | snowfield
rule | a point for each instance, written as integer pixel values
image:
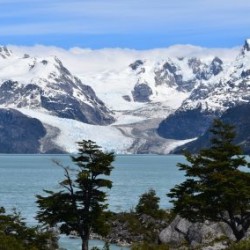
(71, 131)
(110, 138)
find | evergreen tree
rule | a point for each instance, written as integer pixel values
(148, 203)
(215, 188)
(80, 204)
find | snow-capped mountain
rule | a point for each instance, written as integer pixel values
(211, 99)
(182, 92)
(182, 75)
(44, 83)
(151, 88)
(226, 90)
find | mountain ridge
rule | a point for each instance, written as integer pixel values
(211, 100)
(44, 83)
(172, 92)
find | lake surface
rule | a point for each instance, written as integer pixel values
(24, 176)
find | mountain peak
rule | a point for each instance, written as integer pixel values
(246, 46)
(5, 52)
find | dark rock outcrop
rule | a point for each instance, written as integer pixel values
(19, 133)
(238, 117)
(142, 92)
(171, 74)
(5, 52)
(216, 66)
(246, 46)
(185, 124)
(136, 64)
(126, 98)
(245, 73)
(205, 71)
(71, 108)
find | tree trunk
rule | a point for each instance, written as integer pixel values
(85, 244)
(239, 234)
(85, 239)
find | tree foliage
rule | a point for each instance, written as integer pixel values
(216, 188)
(149, 204)
(80, 204)
(16, 235)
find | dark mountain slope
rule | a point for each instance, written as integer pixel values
(238, 116)
(19, 133)
(185, 124)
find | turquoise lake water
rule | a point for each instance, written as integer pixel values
(24, 176)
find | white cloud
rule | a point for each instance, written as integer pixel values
(81, 61)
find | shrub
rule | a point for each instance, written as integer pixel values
(16, 235)
(147, 246)
(241, 245)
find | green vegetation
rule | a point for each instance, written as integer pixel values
(149, 204)
(16, 235)
(215, 188)
(242, 245)
(81, 203)
(147, 246)
(139, 228)
(142, 224)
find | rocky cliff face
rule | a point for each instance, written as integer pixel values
(44, 83)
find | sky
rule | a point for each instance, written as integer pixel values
(135, 24)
